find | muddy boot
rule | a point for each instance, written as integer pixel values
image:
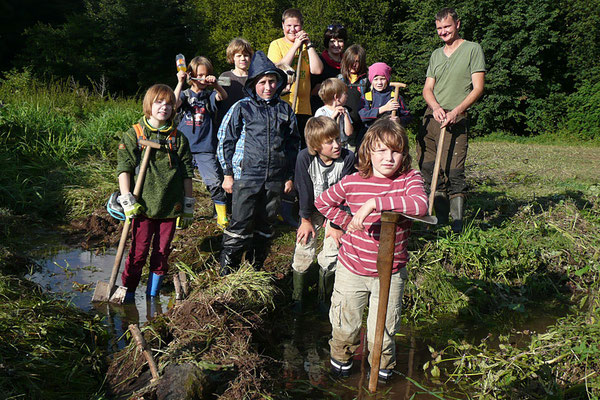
(222, 220)
(154, 284)
(326, 281)
(230, 260)
(442, 207)
(299, 290)
(457, 211)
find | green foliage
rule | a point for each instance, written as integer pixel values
(583, 114)
(48, 349)
(47, 132)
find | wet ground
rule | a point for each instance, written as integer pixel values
(71, 274)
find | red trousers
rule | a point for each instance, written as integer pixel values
(145, 232)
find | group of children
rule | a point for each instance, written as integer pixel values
(257, 148)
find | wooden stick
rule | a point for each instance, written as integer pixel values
(142, 346)
(297, 83)
(436, 169)
(385, 259)
(184, 283)
(177, 284)
(397, 86)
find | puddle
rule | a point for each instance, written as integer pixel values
(71, 275)
(306, 365)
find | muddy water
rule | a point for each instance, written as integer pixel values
(71, 274)
(306, 366)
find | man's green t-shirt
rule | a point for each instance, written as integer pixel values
(453, 74)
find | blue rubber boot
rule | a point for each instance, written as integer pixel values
(154, 284)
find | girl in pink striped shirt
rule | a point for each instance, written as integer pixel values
(385, 182)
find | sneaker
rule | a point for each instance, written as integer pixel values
(341, 368)
(384, 375)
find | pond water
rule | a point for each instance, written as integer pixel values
(71, 275)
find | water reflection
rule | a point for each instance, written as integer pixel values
(71, 274)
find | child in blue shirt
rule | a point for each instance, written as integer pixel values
(379, 101)
(197, 107)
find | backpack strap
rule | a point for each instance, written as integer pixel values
(170, 142)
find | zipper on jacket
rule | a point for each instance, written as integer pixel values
(268, 141)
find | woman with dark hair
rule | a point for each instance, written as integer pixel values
(353, 70)
(334, 38)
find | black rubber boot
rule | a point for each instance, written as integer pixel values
(442, 207)
(259, 254)
(299, 290)
(326, 281)
(230, 260)
(457, 211)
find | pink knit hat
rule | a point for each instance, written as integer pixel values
(380, 68)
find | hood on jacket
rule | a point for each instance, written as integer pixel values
(260, 66)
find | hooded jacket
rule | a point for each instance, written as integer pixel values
(258, 138)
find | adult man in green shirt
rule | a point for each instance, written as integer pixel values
(455, 79)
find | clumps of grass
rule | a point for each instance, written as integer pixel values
(48, 350)
(47, 132)
(560, 363)
(210, 335)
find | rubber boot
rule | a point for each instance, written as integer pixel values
(457, 211)
(326, 281)
(230, 260)
(259, 254)
(287, 213)
(154, 284)
(442, 207)
(222, 220)
(299, 290)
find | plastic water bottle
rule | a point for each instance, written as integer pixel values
(180, 62)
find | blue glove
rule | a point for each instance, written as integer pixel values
(130, 205)
(186, 219)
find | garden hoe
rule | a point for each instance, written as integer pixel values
(297, 83)
(108, 291)
(397, 86)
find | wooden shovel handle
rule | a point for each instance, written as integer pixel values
(397, 86)
(297, 82)
(123, 241)
(436, 169)
(385, 259)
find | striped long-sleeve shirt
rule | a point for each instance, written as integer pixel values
(404, 193)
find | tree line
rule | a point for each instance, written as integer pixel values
(541, 55)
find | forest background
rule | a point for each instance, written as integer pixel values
(542, 55)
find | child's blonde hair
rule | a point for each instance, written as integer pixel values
(238, 45)
(155, 93)
(199, 60)
(330, 88)
(389, 133)
(293, 13)
(319, 130)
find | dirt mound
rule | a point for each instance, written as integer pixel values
(98, 229)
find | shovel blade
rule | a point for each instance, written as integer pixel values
(117, 293)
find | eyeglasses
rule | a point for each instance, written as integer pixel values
(334, 26)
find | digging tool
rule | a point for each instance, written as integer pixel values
(297, 82)
(385, 259)
(108, 291)
(436, 169)
(397, 86)
(142, 346)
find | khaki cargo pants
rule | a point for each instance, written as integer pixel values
(351, 294)
(304, 254)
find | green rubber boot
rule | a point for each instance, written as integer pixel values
(457, 211)
(299, 290)
(326, 281)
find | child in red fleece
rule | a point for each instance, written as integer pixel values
(385, 182)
